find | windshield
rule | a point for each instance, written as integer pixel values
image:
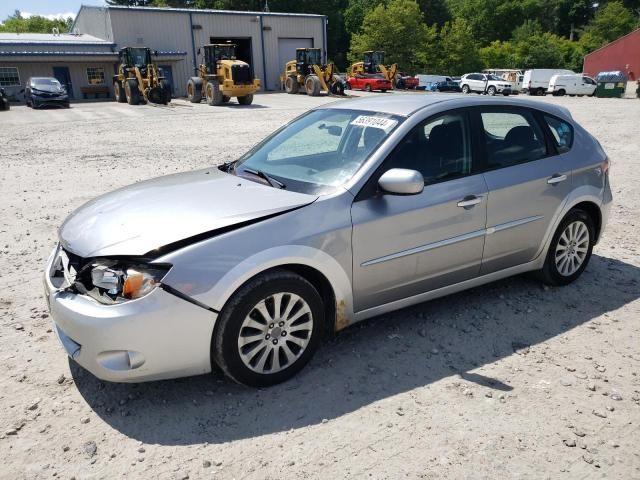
(48, 84)
(319, 151)
(139, 57)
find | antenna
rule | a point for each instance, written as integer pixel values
(266, 6)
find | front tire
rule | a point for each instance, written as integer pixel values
(246, 100)
(491, 91)
(118, 92)
(213, 94)
(131, 91)
(269, 329)
(570, 249)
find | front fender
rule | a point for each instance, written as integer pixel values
(284, 255)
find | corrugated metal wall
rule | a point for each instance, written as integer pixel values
(171, 30)
(77, 70)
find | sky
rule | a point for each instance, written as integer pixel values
(47, 8)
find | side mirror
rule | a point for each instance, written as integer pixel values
(401, 181)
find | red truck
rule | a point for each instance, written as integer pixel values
(368, 83)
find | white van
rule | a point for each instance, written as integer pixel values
(536, 81)
(575, 84)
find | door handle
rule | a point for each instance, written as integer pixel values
(469, 201)
(556, 178)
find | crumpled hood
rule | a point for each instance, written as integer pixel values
(140, 218)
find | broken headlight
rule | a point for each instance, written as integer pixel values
(113, 281)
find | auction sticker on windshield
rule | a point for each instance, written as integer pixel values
(385, 124)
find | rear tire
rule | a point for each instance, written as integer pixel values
(570, 249)
(312, 85)
(246, 100)
(118, 92)
(131, 91)
(194, 90)
(367, 87)
(466, 89)
(213, 94)
(291, 85)
(251, 326)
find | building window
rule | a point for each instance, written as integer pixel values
(95, 75)
(9, 77)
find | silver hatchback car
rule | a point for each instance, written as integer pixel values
(351, 210)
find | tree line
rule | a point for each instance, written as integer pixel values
(444, 36)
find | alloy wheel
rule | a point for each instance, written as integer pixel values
(572, 248)
(275, 333)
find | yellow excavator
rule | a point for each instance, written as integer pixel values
(307, 73)
(373, 63)
(221, 77)
(138, 79)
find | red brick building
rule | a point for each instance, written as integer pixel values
(622, 54)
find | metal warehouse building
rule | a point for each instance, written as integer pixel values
(264, 40)
(622, 54)
(78, 61)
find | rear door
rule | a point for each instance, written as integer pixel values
(528, 182)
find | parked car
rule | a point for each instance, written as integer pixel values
(407, 82)
(354, 209)
(484, 83)
(45, 91)
(426, 80)
(368, 82)
(4, 101)
(574, 84)
(536, 81)
(445, 86)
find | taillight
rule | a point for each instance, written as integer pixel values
(605, 165)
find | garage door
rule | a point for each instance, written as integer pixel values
(287, 49)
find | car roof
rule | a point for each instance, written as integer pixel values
(408, 104)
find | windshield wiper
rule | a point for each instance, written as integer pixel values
(259, 173)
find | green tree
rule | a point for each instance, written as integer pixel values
(398, 30)
(355, 12)
(16, 23)
(612, 21)
(459, 48)
(498, 54)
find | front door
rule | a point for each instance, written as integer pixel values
(64, 77)
(404, 245)
(528, 184)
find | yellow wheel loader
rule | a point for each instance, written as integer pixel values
(138, 78)
(221, 77)
(306, 73)
(374, 63)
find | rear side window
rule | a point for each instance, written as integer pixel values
(562, 133)
(512, 137)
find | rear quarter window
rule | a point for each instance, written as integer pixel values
(562, 133)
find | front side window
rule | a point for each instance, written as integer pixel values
(9, 77)
(439, 148)
(562, 133)
(322, 149)
(95, 75)
(512, 137)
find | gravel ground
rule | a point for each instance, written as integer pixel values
(510, 380)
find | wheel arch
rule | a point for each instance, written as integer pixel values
(593, 210)
(317, 267)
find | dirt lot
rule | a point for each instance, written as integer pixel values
(511, 380)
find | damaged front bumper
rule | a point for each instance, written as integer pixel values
(155, 337)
